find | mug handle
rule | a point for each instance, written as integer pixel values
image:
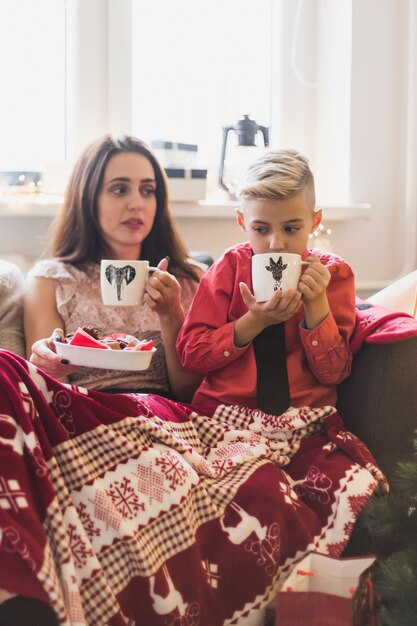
(305, 262)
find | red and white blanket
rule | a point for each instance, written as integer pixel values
(379, 324)
(133, 509)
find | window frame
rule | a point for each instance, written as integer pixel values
(99, 81)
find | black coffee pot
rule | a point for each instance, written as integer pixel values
(246, 130)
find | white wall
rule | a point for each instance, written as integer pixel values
(383, 141)
(382, 138)
(362, 122)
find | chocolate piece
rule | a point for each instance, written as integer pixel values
(112, 343)
(92, 331)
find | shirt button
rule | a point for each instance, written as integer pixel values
(226, 353)
(314, 343)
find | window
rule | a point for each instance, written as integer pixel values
(199, 66)
(178, 70)
(32, 103)
(311, 83)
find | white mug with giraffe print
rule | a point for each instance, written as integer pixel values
(275, 271)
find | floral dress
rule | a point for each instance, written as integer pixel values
(78, 300)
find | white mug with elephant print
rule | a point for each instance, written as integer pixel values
(275, 271)
(123, 282)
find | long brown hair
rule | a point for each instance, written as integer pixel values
(76, 236)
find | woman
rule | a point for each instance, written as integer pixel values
(116, 207)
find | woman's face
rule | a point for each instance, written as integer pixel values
(127, 203)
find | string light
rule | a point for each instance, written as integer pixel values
(321, 237)
(322, 230)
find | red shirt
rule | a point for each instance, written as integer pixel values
(317, 359)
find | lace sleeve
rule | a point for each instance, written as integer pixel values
(51, 268)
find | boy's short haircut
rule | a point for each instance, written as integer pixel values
(277, 175)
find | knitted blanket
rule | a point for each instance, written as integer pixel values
(133, 509)
(379, 324)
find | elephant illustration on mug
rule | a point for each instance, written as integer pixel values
(119, 276)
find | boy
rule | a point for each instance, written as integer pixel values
(217, 339)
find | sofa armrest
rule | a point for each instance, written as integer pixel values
(378, 402)
(11, 308)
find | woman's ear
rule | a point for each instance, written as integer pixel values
(240, 219)
(317, 215)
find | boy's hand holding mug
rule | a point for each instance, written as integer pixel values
(279, 288)
(313, 285)
(279, 308)
(314, 280)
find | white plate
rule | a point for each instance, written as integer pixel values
(105, 359)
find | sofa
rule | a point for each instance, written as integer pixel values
(378, 401)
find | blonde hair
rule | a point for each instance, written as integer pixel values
(277, 175)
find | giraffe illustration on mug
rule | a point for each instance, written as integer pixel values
(277, 269)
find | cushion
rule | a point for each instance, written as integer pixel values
(12, 284)
(401, 295)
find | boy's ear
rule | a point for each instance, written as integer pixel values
(317, 215)
(240, 219)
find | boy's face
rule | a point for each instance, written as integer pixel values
(278, 225)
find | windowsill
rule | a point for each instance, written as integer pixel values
(48, 206)
(225, 210)
(20, 205)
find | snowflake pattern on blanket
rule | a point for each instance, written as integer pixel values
(135, 510)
